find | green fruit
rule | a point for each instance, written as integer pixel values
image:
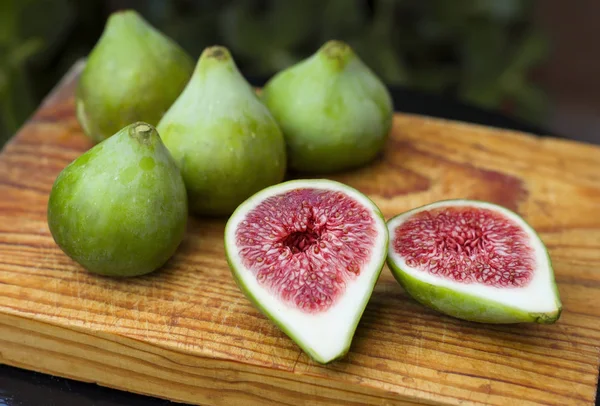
(334, 112)
(475, 261)
(120, 209)
(134, 73)
(225, 141)
(308, 254)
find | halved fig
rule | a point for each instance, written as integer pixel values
(308, 254)
(475, 261)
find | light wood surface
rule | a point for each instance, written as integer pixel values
(188, 334)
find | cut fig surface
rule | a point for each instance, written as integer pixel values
(308, 253)
(473, 260)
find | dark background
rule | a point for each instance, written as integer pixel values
(533, 60)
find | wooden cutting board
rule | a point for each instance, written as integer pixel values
(188, 334)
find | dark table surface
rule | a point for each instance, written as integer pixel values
(19, 387)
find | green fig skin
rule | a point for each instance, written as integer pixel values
(226, 142)
(134, 73)
(467, 307)
(333, 110)
(120, 209)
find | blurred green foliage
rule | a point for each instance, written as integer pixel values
(15, 95)
(480, 51)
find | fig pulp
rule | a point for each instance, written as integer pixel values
(120, 209)
(475, 261)
(308, 253)
(333, 110)
(134, 73)
(225, 141)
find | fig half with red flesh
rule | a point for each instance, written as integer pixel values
(308, 254)
(474, 260)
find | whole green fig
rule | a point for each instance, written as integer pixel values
(120, 209)
(130, 58)
(334, 112)
(225, 141)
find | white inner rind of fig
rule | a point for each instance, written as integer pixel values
(325, 333)
(536, 296)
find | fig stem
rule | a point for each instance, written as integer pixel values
(338, 51)
(217, 52)
(142, 132)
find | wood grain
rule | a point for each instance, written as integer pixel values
(187, 333)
